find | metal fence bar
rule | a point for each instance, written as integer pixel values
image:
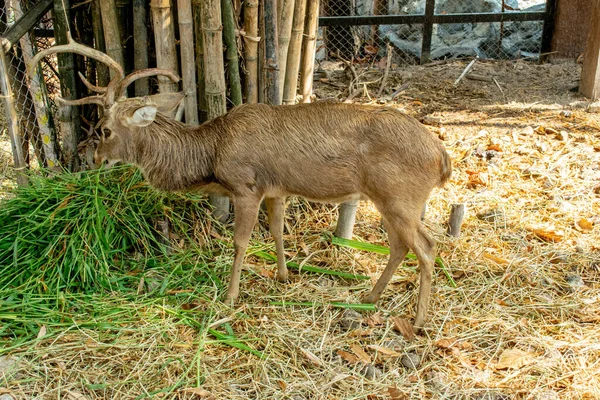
(427, 31)
(548, 29)
(435, 18)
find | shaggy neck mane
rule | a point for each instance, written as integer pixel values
(174, 156)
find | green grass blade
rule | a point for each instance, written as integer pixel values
(234, 342)
(311, 268)
(335, 304)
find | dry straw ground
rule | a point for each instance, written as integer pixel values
(523, 321)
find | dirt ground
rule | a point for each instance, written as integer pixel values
(521, 320)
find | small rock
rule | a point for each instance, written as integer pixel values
(547, 395)
(430, 120)
(594, 107)
(562, 135)
(7, 366)
(575, 282)
(371, 372)
(411, 360)
(6, 396)
(350, 320)
(528, 130)
(297, 397)
(566, 113)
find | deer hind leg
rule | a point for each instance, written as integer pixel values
(408, 233)
(398, 251)
(275, 212)
(246, 212)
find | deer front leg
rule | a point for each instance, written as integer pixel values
(275, 212)
(246, 211)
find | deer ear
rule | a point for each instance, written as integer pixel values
(167, 102)
(143, 116)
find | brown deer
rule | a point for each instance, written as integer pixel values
(326, 152)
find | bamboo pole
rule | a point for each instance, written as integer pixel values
(285, 18)
(271, 65)
(202, 108)
(214, 80)
(188, 71)
(308, 49)
(262, 71)
(100, 44)
(140, 45)
(112, 31)
(164, 40)
(68, 116)
(232, 53)
(47, 135)
(14, 130)
(251, 41)
(290, 84)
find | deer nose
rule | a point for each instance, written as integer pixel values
(97, 159)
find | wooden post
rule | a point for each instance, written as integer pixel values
(346, 219)
(140, 45)
(285, 19)
(164, 40)
(99, 43)
(112, 31)
(590, 74)
(188, 70)
(14, 130)
(202, 108)
(214, 80)
(290, 84)
(308, 49)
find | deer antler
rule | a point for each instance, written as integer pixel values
(143, 73)
(74, 47)
(89, 85)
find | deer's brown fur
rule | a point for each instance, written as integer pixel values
(325, 152)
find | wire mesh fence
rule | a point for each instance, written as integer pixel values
(490, 40)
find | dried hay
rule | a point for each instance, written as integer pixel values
(522, 322)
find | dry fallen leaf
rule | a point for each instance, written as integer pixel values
(351, 358)
(375, 319)
(446, 343)
(362, 332)
(42, 332)
(384, 350)
(403, 327)
(282, 385)
(496, 259)
(495, 147)
(501, 302)
(396, 394)
(74, 395)
(584, 225)
(514, 358)
(362, 355)
(266, 273)
(312, 358)
(547, 235)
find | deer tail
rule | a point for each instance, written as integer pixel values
(445, 168)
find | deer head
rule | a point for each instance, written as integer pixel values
(123, 116)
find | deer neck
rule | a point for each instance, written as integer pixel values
(175, 157)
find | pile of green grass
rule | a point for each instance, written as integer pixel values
(89, 231)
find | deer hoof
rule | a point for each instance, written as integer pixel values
(282, 276)
(230, 299)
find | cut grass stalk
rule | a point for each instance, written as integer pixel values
(311, 268)
(374, 248)
(335, 304)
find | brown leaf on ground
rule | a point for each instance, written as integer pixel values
(384, 350)
(446, 343)
(362, 355)
(547, 235)
(396, 394)
(375, 320)
(584, 225)
(351, 358)
(495, 147)
(496, 259)
(203, 394)
(266, 273)
(514, 359)
(282, 385)
(403, 327)
(312, 357)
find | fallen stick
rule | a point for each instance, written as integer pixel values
(387, 69)
(499, 87)
(475, 77)
(457, 215)
(465, 72)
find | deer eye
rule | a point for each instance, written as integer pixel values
(106, 133)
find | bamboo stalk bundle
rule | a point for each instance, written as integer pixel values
(47, 135)
(262, 71)
(273, 94)
(232, 53)
(214, 80)
(140, 45)
(251, 49)
(199, 59)
(290, 83)
(285, 18)
(101, 70)
(112, 31)
(188, 71)
(308, 49)
(164, 39)
(68, 116)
